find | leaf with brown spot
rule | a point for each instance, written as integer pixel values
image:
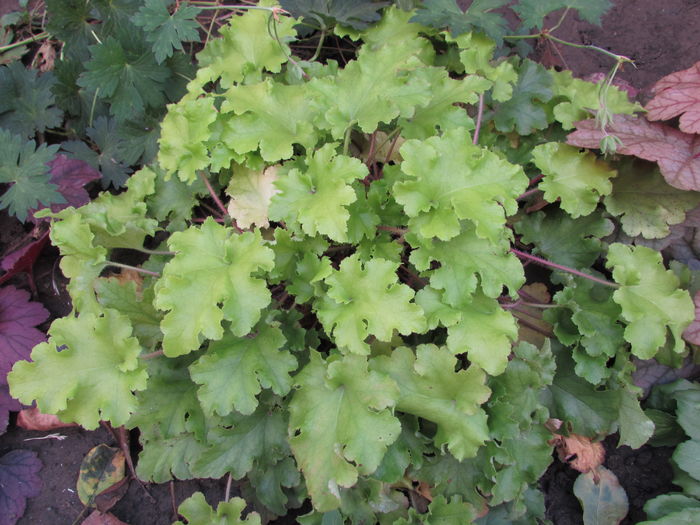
(692, 333)
(579, 452)
(678, 94)
(33, 419)
(677, 153)
(101, 468)
(99, 518)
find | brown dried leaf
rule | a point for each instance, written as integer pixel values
(677, 153)
(692, 333)
(579, 451)
(678, 94)
(33, 419)
(99, 518)
(46, 56)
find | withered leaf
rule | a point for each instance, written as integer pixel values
(678, 94)
(101, 468)
(33, 419)
(677, 153)
(580, 452)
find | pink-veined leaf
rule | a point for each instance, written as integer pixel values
(18, 317)
(677, 153)
(678, 94)
(692, 333)
(18, 481)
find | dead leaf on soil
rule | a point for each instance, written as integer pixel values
(678, 94)
(579, 451)
(33, 419)
(101, 468)
(99, 518)
(46, 56)
(677, 153)
(692, 333)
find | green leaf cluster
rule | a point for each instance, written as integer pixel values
(370, 329)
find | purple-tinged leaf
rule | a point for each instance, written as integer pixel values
(70, 176)
(18, 481)
(18, 317)
(23, 260)
(7, 404)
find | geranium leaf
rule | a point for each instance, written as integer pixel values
(96, 384)
(198, 512)
(430, 388)
(448, 179)
(522, 112)
(317, 197)
(367, 299)
(211, 258)
(164, 30)
(18, 481)
(358, 14)
(575, 243)
(646, 205)
(533, 12)
(677, 153)
(18, 318)
(235, 369)
(579, 180)
(678, 94)
(27, 105)
(340, 424)
(651, 301)
(477, 17)
(25, 166)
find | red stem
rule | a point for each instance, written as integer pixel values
(549, 264)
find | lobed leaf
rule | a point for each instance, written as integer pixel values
(678, 94)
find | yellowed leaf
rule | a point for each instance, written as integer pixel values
(251, 192)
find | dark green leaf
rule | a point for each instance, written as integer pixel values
(25, 167)
(164, 30)
(523, 112)
(358, 14)
(532, 12)
(478, 17)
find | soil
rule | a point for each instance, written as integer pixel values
(660, 36)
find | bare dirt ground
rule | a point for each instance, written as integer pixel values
(661, 36)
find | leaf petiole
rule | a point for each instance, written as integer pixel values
(549, 264)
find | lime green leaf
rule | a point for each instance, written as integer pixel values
(584, 98)
(27, 104)
(557, 236)
(24, 166)
(165, 458)
(603, 500)
(521, 112)
(271, 116)
(651, 301)
(164, 30)
(449, 178)
(578, 179)
(340, 424)
(475, 53)
(184, 131)
(251, 192)
(127, 75)
(245, 49)
(101, 468)
(317, 198)
(198, 512)
(235, 369)
(464, 257)
(367, 299)
(211, 258)
(478, 17)
(86, 372)
(646, 204)
(532, 12)
(430, 388)
(485, 332)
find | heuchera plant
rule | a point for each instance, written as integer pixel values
(352, 322)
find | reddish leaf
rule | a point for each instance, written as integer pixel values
(677, 153)
(98, 518)
(692, 333)
(18, 481)
(70, 175)
(678, 94)
(23, 260)
(18, 317)
(7, 404)
(32, 419)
